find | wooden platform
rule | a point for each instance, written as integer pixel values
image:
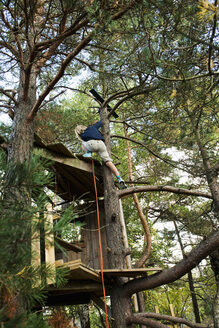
(84, 283)
(129, 272)
(79, 271)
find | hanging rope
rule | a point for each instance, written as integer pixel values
(100, 244)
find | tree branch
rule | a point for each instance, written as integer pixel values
(181, 191)
(129, 96)
(10, 94)
(190, 261)
(170, 318)
(186, 78)
(58, 76)
(145, 321)
(131, 4)
(143, 145)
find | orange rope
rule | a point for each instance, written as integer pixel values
(100, 244)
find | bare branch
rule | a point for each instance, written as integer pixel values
(130, 96)
(175, 190)
(8, 94)
(145, 146)
(58, 76)
(145, 321)
(171, 319)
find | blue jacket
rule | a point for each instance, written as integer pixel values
(92, 132)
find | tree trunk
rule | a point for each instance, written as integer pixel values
(194, 299)
(120, 306)
(141, 305)
(84, 316)
(23, 130)
(19, 151)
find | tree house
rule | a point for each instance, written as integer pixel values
(74, 183)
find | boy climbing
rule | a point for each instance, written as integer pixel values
(93, 141)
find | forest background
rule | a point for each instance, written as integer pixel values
(156, 64)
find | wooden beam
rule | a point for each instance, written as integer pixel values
(156, 309)
(49, 245)
(172, 314)
(35, 248)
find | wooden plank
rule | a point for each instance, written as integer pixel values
(128, 272)
(68, 246)
(172, 314)
(35, 248)
(59, 262)
(156, 309)
(49, 246)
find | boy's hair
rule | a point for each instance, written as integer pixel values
(79, 130)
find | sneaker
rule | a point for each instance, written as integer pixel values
(122, 184)
(119, 179)
(88, 154)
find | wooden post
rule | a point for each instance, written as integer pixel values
(172, 313)
(35, 248)
(49, 245)
(156, 309)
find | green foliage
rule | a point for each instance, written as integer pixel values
(67, 227)
(22, 203)
(28, 320)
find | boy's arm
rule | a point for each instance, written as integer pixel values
(98, 124)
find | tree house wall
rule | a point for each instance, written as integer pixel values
(90, 254)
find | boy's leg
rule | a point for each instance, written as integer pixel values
(114, 170)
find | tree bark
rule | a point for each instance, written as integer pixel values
(84, 316)
(169, 318)
(180, 191)
(120, 305)
(21, 143)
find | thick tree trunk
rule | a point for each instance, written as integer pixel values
(194, 298)
(84, 316)
(19, 151)
(23, 131)
(120, 306)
